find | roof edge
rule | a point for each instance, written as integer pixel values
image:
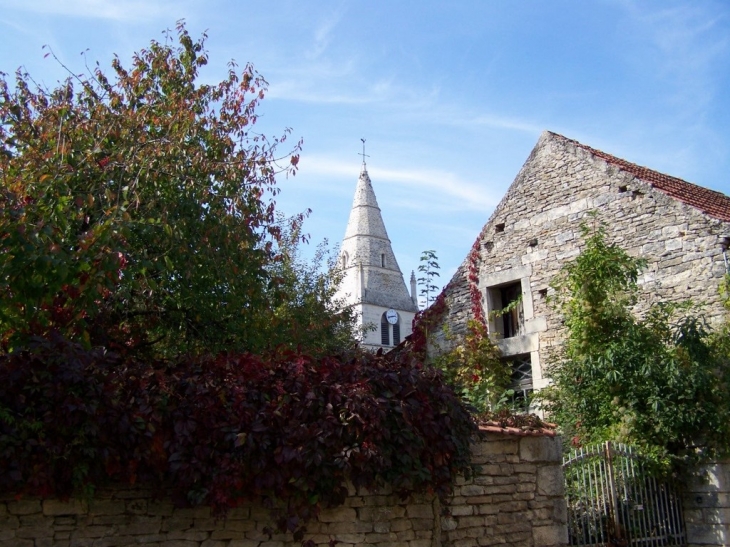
(711, 202)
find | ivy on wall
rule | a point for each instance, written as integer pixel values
(291, 430)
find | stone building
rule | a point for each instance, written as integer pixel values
(373, 283)
(681, 229)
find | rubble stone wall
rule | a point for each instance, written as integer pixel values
(514, 498)
(536, 229)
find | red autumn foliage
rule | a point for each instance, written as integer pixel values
(227, 428)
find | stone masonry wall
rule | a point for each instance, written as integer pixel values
(516, 498)
(535, 230)
(707, 506)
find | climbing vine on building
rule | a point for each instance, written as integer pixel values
(473, 366)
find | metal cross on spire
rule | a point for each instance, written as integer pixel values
(364, 155)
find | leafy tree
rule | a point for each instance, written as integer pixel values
(429, 269)
(308, 314)
(655, 381)
(136, 209)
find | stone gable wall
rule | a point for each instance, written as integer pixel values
(515, 498)
(536, 228)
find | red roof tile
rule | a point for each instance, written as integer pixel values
(713, 203)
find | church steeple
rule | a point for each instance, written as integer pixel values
(372, 277)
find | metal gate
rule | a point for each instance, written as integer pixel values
(612, 501)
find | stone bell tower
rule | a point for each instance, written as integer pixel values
(373, 282)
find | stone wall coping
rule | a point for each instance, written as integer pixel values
(548, 430)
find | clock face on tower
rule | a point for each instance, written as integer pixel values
(391, 316)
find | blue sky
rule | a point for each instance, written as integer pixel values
(451, 96)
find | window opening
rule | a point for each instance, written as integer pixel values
(506, 309)
(396, 333)
(344, 260)
(511, 296)
(499, 228)
(382, 260)
(506, 312)
(384, 331)
(521, 380)
(622, 189)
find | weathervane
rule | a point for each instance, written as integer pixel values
(364, 155)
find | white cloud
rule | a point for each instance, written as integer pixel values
(323, 33)
(443, 187)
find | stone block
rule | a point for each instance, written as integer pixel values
(708, 534)
(541, 449)
(71, 507)
(240, 512)
(241, 543)
(462, 510)
(136, 506)
(401, 524)
(24, 507)
(192, 512)
(230, 534)
(125, 541)
(9, 522)
(550, 535)
(93, 532)
(550, 481)
(421, 524)
(161, 508)
(33, 532)
(372, 537)
(104, 520)
(448, 524)
(17, 543)
(381, 527)
(348, 527)
(468, 522)
(495, 444)
(34, 520)
(140, 525)
(357, 539)
(717, 515)
(238, 525)
(499, 489)
(466, 542)
(339, 514)
(105, 507)
(471, 490)
(422, 511)
(175, 524)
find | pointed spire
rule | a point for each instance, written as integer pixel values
(365, 197)
(369, 251)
